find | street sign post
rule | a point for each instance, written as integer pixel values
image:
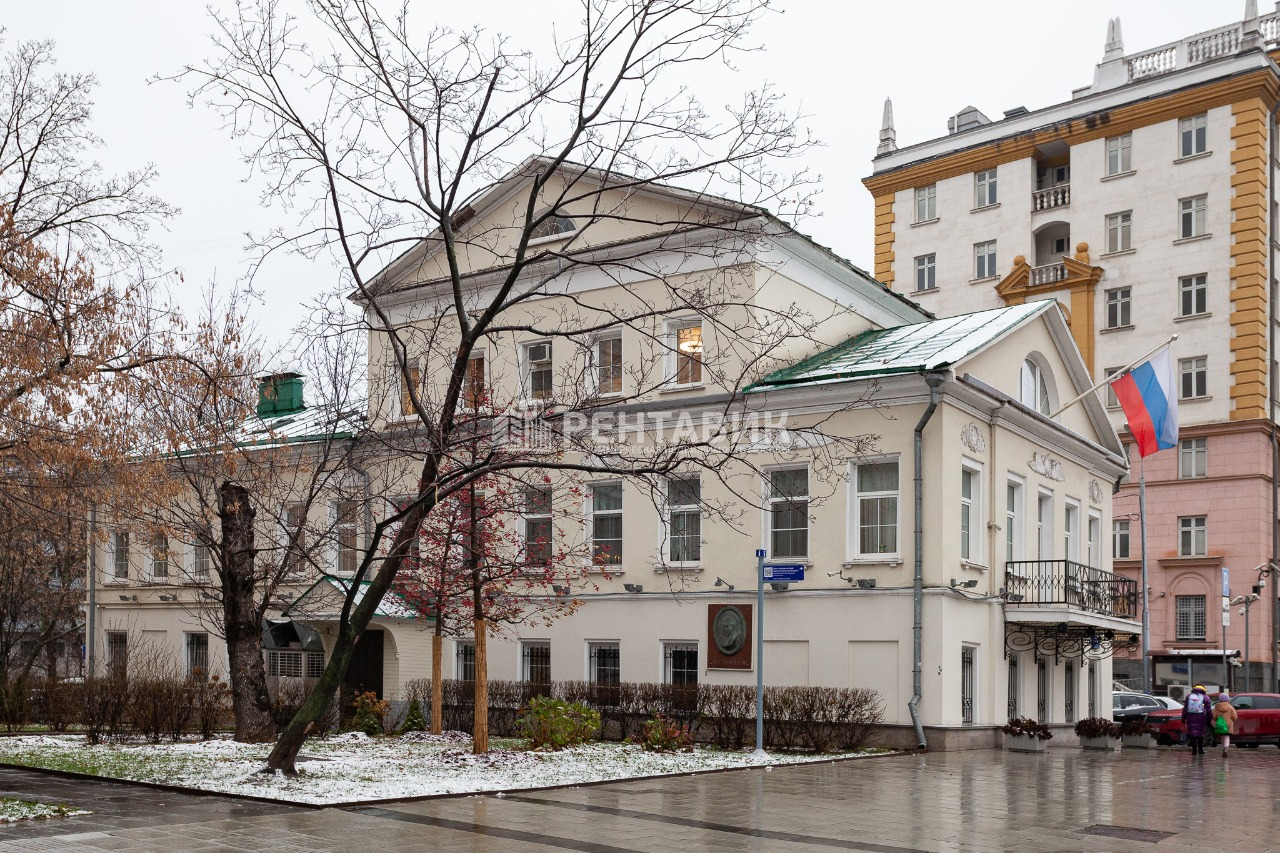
(760, 569)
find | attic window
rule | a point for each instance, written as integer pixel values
(552, 226)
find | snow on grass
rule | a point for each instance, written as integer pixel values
(354, 767)
(12, 811)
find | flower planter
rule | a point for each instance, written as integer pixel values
(1025, 743)
(1103, 743)
(1138, 742)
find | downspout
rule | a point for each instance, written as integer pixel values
(1271, 396)
(917, 627)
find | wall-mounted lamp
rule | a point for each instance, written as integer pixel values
(168, 598)
(128, 598)
(779, 587)
(840, 574)
(866, 583)
(959, 584)
(633, 587)
(721, 582)
(209, 596)
(559, 590)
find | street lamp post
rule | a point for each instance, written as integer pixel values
(1247, 602)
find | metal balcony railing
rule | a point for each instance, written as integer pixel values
(1040, 583)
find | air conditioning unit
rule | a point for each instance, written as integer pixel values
(538, 352)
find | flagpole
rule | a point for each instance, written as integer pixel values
(1146, 612)
(1108, 380)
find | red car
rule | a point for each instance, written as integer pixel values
(1258, 721)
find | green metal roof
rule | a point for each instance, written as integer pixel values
(916, 348)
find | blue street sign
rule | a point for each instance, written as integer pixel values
(760, 552)
(1226, 583)
(783, 573)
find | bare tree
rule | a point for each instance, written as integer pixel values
(466, 188)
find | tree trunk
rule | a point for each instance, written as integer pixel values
(480, 743)
(437, 686)
(250, 701)
(285, 752)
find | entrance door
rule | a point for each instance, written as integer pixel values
(364, 675)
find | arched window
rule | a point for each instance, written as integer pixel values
(1034, 389)
(552, 226)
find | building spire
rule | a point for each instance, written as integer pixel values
(1251, 35)
(1115, 40)
(888, 136)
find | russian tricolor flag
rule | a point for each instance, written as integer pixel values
(1150, 402)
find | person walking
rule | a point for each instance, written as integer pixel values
(1224, 720)
(1195, 716)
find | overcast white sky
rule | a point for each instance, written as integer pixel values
(837, 58)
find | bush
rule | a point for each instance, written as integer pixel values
(370, 711)
(1027, 726)
(1097, 727)
(414, 721)
(211, 701)
(662, 734)
(1134, 726)
(555, 724)
(102, 707)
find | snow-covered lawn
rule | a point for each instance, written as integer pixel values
(352, 766)
(12, 811)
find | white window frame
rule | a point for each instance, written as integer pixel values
(341, 528)
(201, 563)
(528, 516)
(120, 557)
(1193, 536)
(926, 203)
(926, 272)
(413, 368)
(610, 567)
(1192, 611)
(1071, 530)
(668, 664)
(974, 539)
(1093, 539)
(188, 649)
(771, 500)
(1044, 525)
(984, 260)
(1121, 532)
(526, 660)
(1034, 390)
(1193, 458)
(984, 188)
(674, 357)
(160, 561)
(1193, 216)
(1119, 231)
(527, 370)
(1119, 159)
(668, 509)
(459, 646)
(1193, 135)
(595, 367)
(1196, 371)
(469, 397)
(853, 541)
(593, 647)
(1113, 402)
(1015, 530)
(1119, 305)
(1193, 289)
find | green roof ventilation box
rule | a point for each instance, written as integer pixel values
(280, 394)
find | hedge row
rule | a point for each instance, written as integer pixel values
(795, 718)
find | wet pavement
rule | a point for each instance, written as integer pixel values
(1066, 800)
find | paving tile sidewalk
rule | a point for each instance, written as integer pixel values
(979, 801)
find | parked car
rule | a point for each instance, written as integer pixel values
(1126, 705)
(1258, 721)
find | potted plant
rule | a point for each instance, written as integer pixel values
(1098, 733)
(1136, 734)
(1023, 734)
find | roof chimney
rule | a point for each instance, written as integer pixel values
(967, 119)
(280, 394)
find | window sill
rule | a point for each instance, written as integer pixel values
(692, 568)
(992, 206)
(1118, 175)
(919, 292)
(1188, 317)
(891, 560)
(984, 280)
(977, 567)
(925, 222)
(1203, 399)
(1126, 328)
(551, 238)
(1118, 253)
(1191, 157)
(605, 570)
(1194, 239)
(674, 389)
